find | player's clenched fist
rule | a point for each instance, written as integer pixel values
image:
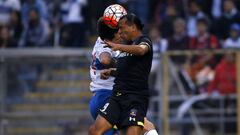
(105, 74)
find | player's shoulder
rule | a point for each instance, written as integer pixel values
(99, 47)
(99, 44)
(145, 39)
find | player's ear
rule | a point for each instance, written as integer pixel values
(133, 27)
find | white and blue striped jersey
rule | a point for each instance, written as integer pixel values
(96, 66)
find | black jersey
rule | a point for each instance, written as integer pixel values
(133, 71)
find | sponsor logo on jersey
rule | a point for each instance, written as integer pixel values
(118, 94)
(132, 119)
(133, 112)
(132, 115)
(104, 108)
(124, 54)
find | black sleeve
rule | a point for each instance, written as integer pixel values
(146, 41)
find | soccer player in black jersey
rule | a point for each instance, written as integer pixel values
(128, 104)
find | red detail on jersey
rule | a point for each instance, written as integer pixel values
(93, 65)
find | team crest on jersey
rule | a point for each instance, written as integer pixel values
(132, 115)
(124, 54)
(133, 112)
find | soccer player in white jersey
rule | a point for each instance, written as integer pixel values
(103, 58)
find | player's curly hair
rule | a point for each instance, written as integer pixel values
(105, 31)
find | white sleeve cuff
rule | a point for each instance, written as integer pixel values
(151, 132)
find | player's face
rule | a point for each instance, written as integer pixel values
(125, 30)
(117, 38)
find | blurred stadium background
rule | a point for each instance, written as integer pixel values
(45, 55)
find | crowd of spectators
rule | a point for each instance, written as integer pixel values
(72, 23)
(172, 25)
(42, 23)
(201, 25)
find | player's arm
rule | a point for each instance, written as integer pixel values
(140, 49)
(107, 60)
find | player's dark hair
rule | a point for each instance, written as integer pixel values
(133, 19)
(105, 31)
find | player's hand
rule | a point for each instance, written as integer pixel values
(147, 125)
(112, 45)
(105, 74)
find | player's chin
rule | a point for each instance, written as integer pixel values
(118, 41)
(124, 39)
